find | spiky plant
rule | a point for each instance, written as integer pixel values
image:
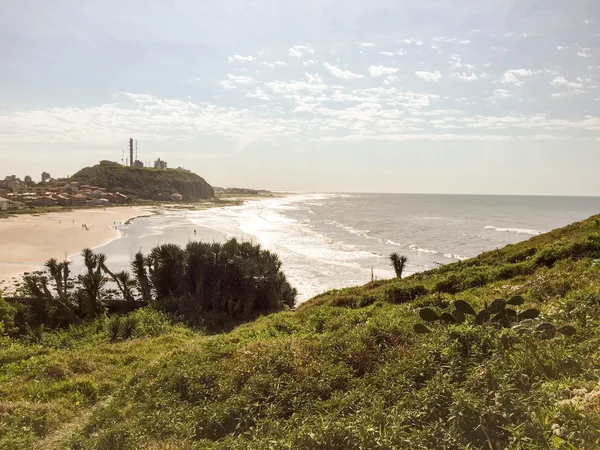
(139, 265)
(398, 263)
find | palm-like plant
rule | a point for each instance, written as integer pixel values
(237, 279)
(398, 263)
(139, 265)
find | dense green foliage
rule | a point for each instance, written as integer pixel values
(346, 370)
(202, 284)
(237, 280)
(145, 183)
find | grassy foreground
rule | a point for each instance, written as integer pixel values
(344, 371)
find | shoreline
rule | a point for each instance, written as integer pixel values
(27, 241)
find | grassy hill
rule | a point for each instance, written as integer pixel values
(344, 371)
(145, 183)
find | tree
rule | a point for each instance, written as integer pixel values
(236, 280)
(58, 300)
(139, 266)
(28, 180)
(239, 280)
(398, 263)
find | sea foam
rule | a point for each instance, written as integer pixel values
(514, 230)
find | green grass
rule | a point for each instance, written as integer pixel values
(343, 371)
(46, 384)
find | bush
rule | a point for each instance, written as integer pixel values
(239, 280)
(353, 301)
(129, 326)
(448, 285)
(7, 318)
(150, 322)
(114, 327)
(402, 294)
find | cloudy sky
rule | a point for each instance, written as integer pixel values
(452, 96)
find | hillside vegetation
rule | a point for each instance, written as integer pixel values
(145, 183)
(344, 371)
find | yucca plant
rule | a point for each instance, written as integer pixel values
(398, 263)
(114, 327)
(129, 327)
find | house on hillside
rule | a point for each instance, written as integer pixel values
(45, 201)
(4, 204)
(79, 199)
(177, 197)
(64, 200)
(16, 205)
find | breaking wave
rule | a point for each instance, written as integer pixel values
(514, 230)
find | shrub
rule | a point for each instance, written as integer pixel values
(402, 294)
(150, 322)
(129, 326)
(240, 280)
(450, 285)
(7, 318)
(114, 327)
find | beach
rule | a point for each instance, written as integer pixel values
(28, 240)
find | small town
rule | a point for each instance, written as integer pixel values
(17, 194)
(20, 194)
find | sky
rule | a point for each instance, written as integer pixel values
(437, 96)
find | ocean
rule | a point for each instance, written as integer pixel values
(328, 241)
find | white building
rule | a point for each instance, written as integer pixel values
(3, 204)
(158, 164)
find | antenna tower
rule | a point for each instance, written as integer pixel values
(136, 153)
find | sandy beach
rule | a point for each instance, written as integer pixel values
(27, 240)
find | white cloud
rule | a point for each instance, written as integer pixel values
(414, 41)
(259, 94)
(520, 35)
(401, 52)
(234, 80)
(465, 76)
(561, 47)
(309, 62)
(390, 79)
(456, 62)
(585, 53)
(365, 44)
(240, 58)
(315, 85)
(344, 74)
(432, 77)
(377, 71)
(515, 76)
(562, 81)
(500, 94)
(567, 93)
(466, 41)
(273, 64)
(298, 51)
(386, 53)
(313, 78)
